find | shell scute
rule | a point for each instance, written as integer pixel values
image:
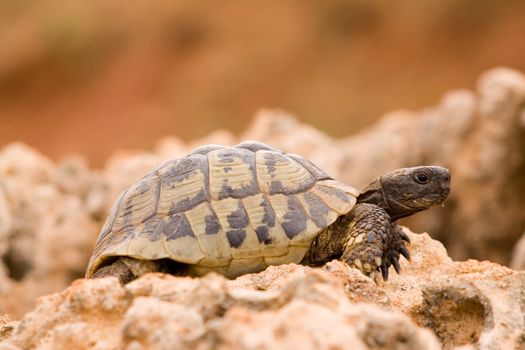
(232, 173)
(184, 184)
(279, 174)
(311, 167)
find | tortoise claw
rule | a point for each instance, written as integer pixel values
(384, 271)
(404, 251)
(404, 236)
(395, 263)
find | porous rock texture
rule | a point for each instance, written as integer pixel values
(435, 303)
(46, 229)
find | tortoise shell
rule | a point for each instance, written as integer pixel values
(232, 210)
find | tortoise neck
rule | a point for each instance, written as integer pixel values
(374, 194)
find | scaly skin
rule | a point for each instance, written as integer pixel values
(365, 239)
(127, 269)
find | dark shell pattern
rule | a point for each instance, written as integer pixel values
(233, 210)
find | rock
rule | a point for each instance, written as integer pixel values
(488, 172)
(72, 175)
(151, 323)
(300, 324)
(170, 147)
(97, 197)
(7, 327)
(483, 299)
(458, 303)
(49, 245)
(25, 164)
(72, 317)
(46, 233)
(65, 223)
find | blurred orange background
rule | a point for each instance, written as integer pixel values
(92, 76)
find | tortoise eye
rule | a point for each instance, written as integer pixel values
(421, 178)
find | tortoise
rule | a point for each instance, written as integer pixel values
(237, 210)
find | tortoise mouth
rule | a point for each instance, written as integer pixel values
(437, 198)
(445, 190)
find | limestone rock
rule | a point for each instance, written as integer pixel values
(458, 303)
(488, 173)
(7, 327)
(72, 175)
(25, 164)
(46, 233)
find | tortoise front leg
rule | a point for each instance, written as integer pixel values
(127, 269)
(373, 242)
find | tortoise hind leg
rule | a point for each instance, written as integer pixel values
(127, 269)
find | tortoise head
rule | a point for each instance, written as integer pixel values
(406, 191)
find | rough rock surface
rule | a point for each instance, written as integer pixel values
(46, 233)
(456, 304)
